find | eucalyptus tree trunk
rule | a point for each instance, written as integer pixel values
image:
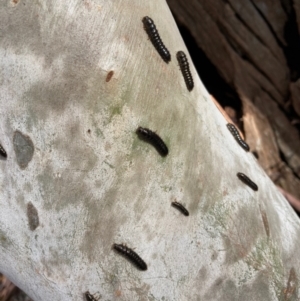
(77, 79)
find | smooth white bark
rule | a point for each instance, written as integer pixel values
(94, 183)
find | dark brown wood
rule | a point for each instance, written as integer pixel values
(243, 40)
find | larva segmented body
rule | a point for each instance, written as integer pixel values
(247, 181)
(3, 152)
(89, 297)
(154, 37)
(185, 70)
(235, 133)
(154, 139)
(131, 255)
(181, 208)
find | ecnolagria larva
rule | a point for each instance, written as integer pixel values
(181, 208)
(247, 181)
(185, 70)
(155, 39)
(235, 133)
(131, 256)
(154, 139)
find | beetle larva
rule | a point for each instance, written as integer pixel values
(185, 70)
(181, 208)
(235, 133)
(131, 255)
(154, 139)
(247, 181)
(154, 37)
(90, 297)
(3, 152)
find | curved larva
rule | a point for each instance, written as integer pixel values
(131, 255)
(181, 208)
(235, 133)
(247, 181)
(154, 37)
(185, 70)
(3, 152)
(154, 139)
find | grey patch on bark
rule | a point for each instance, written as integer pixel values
(222, 289)
(24, 148)
(33, 217)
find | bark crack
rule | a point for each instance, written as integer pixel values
(268, 24)
(243, 55)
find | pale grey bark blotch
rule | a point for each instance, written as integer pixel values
(260, 285)
(27, 187)
(230, 292)
(44, 97)
(5, 241)
(239, 241)
(202, 274)
(102, 223)
(24, 148)
(33, 217)
(69, 187)
(21, 31)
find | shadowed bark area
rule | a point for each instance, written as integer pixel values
(77, 80)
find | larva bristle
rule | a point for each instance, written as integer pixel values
(152, 138)
(235, 133)
(131, 255)
(181, 208)
(185, 70)
(154, 37)
(247, 181)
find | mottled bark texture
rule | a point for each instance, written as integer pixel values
(255, 45)
(77, 78)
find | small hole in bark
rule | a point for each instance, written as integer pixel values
(109, 76)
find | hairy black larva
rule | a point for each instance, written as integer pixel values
(247, 181)
(90, 297)
(154, 139)
(154, 37)
(181, 208)
(185, 70)
(3, 152)
(131, 255)
(235, 133)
